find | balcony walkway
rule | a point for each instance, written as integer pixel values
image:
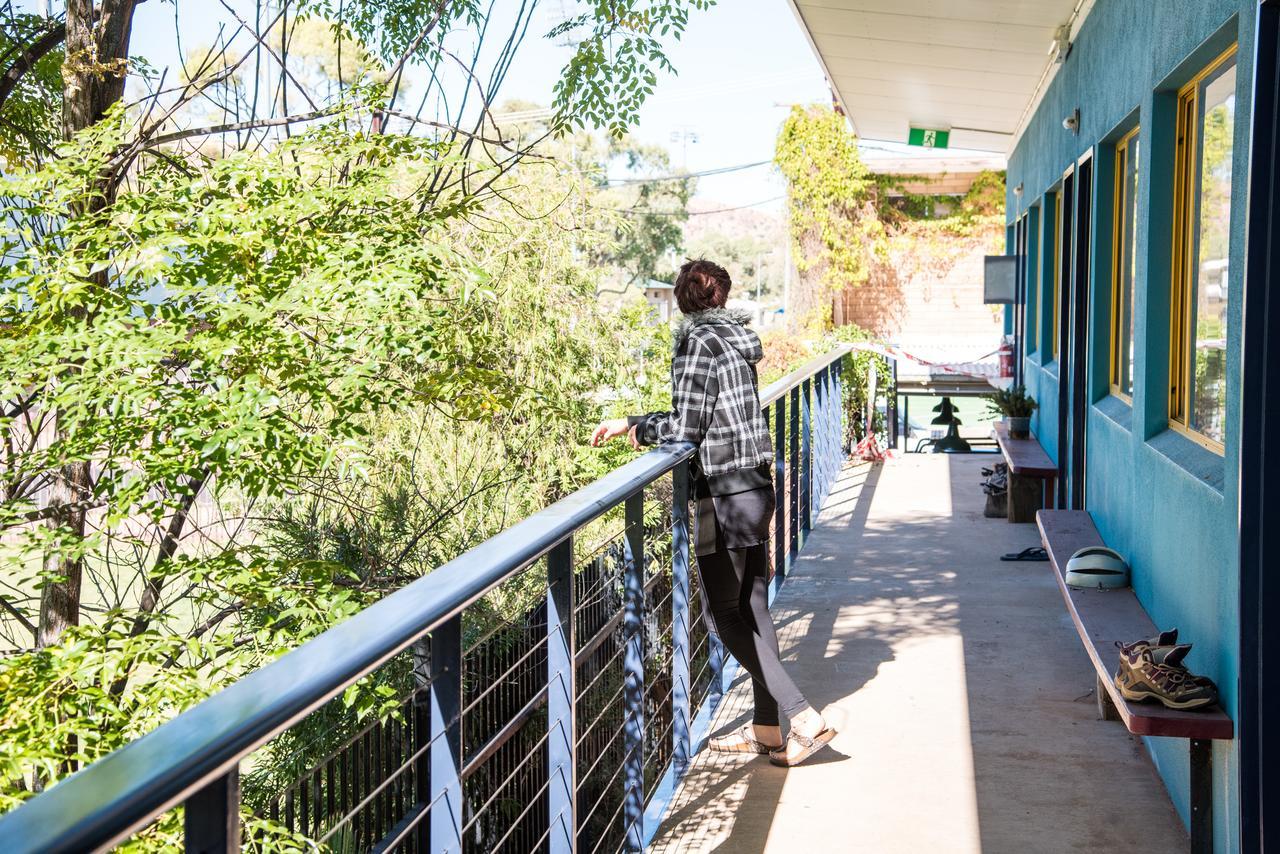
(958, 684)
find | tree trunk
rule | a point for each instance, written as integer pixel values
(60, 599)
(97, 51)
(96, 64)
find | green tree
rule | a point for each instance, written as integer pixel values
(202, 344)
(835, 231)
(646, 211)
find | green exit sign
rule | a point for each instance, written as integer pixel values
(928, 138)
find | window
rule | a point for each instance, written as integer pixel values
(1047, 264)
(1124, 244)
(1064, 246)
(1030, 281)
(1058, 258)
(1201, 238)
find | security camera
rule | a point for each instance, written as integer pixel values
(1072, 122)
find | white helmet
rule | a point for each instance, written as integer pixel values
(1097, 567)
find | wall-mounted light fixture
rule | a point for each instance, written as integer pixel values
(1072, 122)
(1061, 44)
(1017, 191)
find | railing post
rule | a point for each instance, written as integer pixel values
(780, 489)
(681, 689)
(821, 439)
(561, 698)
(211, 819)
(906, 423)
(842, 449)
(806, 462)
(834, 403)
(633, 675)
(833, 419)
(421, 651)
(891, 408)
(793, 510)
(446, 736)
(832, 429)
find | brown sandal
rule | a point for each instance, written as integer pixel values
(741, 740)
(811, 745)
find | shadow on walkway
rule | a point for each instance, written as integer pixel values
(960, 692)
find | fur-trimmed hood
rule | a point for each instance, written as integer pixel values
(732, 329)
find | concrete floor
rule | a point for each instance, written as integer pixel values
(960, 690)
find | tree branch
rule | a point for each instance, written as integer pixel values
(18, 615)
(27, 59)
(248, 124)
(50, 511)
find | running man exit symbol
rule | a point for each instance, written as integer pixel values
(928, 137)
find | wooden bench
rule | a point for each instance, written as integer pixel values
(1103, 617)
(1032, 475)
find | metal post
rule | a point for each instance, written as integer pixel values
(681, 689)
(793, 509)
(780, 489)
(834, 404)
(561, 696)
(633, 675)
(906, 423)
(842, 447)
(715, 660)
(211, 821)
(1201, 761)
(806, 461)
(446, 736)
(421, 651)
(892, 400)
(820, 399)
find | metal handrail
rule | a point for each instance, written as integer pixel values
(190, 757)
(123, 791)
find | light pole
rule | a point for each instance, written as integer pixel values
(684, 135)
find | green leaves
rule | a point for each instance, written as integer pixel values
(834, 227)
(256, 312)
(618, 57)
(1013, 402)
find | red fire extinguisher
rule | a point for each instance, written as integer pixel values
(1006, 357)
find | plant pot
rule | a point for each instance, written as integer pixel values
(1019, 426)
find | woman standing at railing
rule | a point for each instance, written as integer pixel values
(716, 398)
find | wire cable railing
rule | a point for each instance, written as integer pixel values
(548, 732)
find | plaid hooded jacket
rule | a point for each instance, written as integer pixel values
(716, 397)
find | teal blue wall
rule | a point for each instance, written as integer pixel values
(1157, 496)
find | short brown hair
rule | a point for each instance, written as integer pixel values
(701, 285)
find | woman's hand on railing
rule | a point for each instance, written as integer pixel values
(610, 428)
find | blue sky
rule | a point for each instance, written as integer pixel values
(740, 65)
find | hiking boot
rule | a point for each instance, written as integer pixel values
(1157, 673)
(1166, 638)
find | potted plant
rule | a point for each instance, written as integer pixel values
(1016, 406)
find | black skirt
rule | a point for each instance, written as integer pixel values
(736, 521)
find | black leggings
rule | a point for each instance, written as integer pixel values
(736, 598)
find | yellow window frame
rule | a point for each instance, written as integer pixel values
(1057, 271)
(1031, 283)
(1186, 161)
(1064, 238)
(1120, 210)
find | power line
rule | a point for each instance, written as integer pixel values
(738, 207)
(717, 171)
(633, 212)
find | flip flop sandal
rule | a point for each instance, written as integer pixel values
(740, 740)
(1032, 553)
(778, 756)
